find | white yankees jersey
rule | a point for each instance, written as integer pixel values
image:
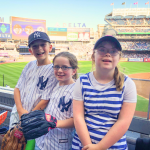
(60, 106)
(34, 84)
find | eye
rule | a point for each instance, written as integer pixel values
(114, 51)
(101, 49)
(57, 67)
(34, 46)
(64, 67)
(43, 45)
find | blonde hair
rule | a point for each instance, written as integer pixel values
(118, 76)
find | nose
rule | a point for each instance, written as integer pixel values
(40, 47)
(107, 53)
(60, 69)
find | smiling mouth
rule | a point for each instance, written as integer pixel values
(60, 75)
(40, 53)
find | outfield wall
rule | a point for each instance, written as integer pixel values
(135, 59)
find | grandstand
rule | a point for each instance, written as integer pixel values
(131, 26)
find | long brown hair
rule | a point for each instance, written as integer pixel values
(72, 60)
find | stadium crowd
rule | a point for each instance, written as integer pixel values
(83, 51)
(135, 45)
(129, 54)
(133, 29)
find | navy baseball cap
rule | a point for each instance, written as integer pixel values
(37, 35)
(108, 38)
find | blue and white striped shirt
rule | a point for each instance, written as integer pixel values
(102, 108)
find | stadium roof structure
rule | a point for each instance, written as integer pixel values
(122, 12)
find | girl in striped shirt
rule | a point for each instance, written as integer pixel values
(104, 101)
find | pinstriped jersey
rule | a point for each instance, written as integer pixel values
(60, 106)
(34, 84)
(102, 108)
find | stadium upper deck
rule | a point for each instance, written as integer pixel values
(130, 25)
(129, 17)
(130, 22)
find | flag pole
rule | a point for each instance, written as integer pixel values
(148, 7)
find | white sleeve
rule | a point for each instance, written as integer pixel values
(77, 93)
(22, 76)
(130, 93)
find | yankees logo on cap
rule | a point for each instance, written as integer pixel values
(37, 35)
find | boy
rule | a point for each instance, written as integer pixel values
(37, 79)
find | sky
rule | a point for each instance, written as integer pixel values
(56, 12)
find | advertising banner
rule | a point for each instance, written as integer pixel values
(136, 59)
(124, 59)
(146, 59)
(78, 29)
(5, 28)
(5, 31)
(83, 36)
(5, 36)
(57, 34)
(3, 54)
(57, 29)
(23, 27)
(72, 36)
(58, 38)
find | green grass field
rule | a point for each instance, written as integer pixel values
(12, 72)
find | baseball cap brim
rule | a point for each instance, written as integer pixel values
(38, 39)
(108, 38)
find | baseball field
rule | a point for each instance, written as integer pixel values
(11, 72)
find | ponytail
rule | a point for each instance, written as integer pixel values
(119, 79)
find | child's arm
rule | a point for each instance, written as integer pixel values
(79, 122)
(117, 130)
(18, 103)
(41, 105)
(68, 123)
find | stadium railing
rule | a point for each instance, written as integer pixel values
(6, 102)
(139, 127)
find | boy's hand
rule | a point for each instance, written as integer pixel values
(21, 112)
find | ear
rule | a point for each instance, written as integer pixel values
(74, 71)
(93, 56)
(30, 51)
(50, 47)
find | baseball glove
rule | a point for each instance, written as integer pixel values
(14, 139)
(37, 123)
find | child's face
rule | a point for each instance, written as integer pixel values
(106, 56)
(40, 49)
(63, 75)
